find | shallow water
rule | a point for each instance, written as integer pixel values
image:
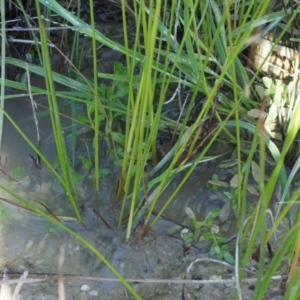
(32, 243)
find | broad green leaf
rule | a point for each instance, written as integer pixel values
(229, 258)
(217, 249)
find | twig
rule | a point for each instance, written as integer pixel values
(34, 107)
(102, 219)
(237, 268)
(47, 28)
(43, 277)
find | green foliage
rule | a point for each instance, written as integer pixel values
(17, 171)
(187, 236)
(218, 247)
(212, 185)
(196, 46)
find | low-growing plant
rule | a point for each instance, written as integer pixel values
(207, 230)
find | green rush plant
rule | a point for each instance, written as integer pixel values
(194, 46)
(3, 54)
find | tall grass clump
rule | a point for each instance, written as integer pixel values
(194, 46)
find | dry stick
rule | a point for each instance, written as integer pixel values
(44, 277)
(18, 29)
(234, 280)
(15, 204)
(5, 291)
(211, 260)
(102, 219)
(87, 127)
(34, 107)
(201, 143)
(177, 92)
(19, 285)
(10, 177)
(22, 41)
(237, 267)
(237, 260)
(61, 285)
(181, 112)
(29, 209)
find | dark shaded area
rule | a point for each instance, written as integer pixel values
(20, 40)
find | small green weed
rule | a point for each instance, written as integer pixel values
(218, 247)
(16, 171)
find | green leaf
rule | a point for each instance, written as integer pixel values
(104, 172)
(85, 162)
(123, 91)
(118, 137)
(224, 248)
(215, 177)
(17, 171)
(211, 183)
(212, 214)
(227, 164)
(208, 235)
(222, 239)
(101, 117)
(229, 258)
(28, 57)
(83, 119)
(76, 177)
(187, 237)
(217, 249)
(268, 82)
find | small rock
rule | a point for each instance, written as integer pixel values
(94, 293)
(84, 287)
